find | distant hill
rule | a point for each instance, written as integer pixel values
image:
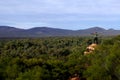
(7, 31)
(46, 31)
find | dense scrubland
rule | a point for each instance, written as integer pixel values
(59, 58)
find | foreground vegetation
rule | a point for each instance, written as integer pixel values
(58, 58)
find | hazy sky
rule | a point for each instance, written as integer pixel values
(66, 14)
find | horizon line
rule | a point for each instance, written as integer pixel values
(56, 27)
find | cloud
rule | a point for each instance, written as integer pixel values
(60, 6)
(59, 12)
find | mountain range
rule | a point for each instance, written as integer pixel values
(8, 31)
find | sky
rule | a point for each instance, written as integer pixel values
(65, 14)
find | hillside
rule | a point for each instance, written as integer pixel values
(59, 58)
(7, 31)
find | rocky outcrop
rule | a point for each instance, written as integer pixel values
(90, 49)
